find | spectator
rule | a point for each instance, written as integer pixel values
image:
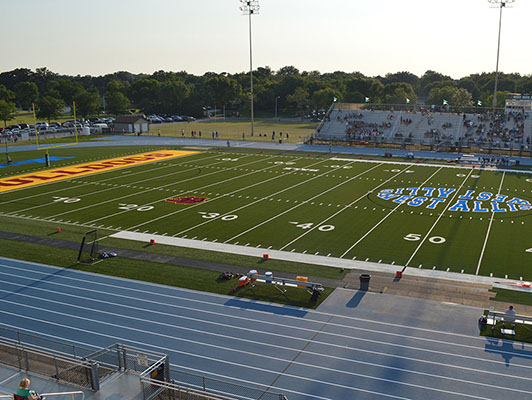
(509, 315)
(24, 391)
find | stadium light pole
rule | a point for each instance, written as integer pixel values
(500, 4)
(277, 98)
(250, 7)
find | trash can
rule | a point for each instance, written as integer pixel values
(364, 281)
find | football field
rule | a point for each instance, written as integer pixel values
(407, 214)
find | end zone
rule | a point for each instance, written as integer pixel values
(74, 171)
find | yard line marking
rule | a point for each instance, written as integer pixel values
(99, 182)
(343, 209)
(255, 331)
(489, 228)
(450, 202)
(148, 190)
(244, 206)
(112, 187)
(383, 219)
(300, 204)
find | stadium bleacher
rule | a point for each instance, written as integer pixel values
(511, 131)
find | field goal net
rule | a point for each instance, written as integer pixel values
(88, 250)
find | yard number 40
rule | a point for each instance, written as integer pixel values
(417, 236)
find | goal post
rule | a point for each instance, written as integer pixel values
(88, 250)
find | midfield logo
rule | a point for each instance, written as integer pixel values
(186, 200)
(471, 200)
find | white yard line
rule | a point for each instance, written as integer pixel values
(256, 201)
(151, 189)
(383, 219)
(489, 228)
(224, 196)
(300, 204)
(103, 180)
(114, 187)
(343, 209)
(449, 204)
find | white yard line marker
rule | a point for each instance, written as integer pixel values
(256, 201)
(99, 182)
(300, 204)
(437, 220)
(382, 220)
(488, 232)
(343, 209)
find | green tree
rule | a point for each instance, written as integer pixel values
(26, 94)
(6, 94)
(50, 107)
(300, 100)
(323, 98)
(87, 103)
(456, 97)
(69, 90)
(116, 102)
(7, 111)
(146, 93)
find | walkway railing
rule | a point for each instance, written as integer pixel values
(59, 395)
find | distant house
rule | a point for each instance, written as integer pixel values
(131, 124)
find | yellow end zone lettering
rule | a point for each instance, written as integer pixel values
(74, 171)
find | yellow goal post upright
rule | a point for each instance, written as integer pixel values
(47, 156)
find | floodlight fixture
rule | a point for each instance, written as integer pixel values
(498, 4)
(250, 7)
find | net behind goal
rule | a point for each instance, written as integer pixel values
(88, 250)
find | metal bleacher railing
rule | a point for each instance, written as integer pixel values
(86, 368)
(75, 395)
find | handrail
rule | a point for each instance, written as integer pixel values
(10, 396)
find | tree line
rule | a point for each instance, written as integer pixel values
(294, 92)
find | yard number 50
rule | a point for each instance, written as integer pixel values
(417, 236)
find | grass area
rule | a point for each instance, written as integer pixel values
(233, 130)
(512, 296)
(417, 215)
(523, 333)
(190, 278)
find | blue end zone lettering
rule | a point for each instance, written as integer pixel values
(387, 196)
(518, 201)
(478, 207)
(413, 191)
(500, 198)
(399, 191)
(484, 196)
(428, 191)
(468, 195)
(434, 203)
(512, 207)
(495, 207)
(402, 199)
(461, 205)
(417, 201)
(445, 192)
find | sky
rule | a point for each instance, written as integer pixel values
(375, 37)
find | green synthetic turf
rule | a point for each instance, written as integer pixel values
(286, 201)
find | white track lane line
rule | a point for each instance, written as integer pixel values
(312, 331)
(383, 219)
(247, 353)
(488, 232)
(275, 346)
(343, 209)
(301, 203)
(437, 220)
(222, 306)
